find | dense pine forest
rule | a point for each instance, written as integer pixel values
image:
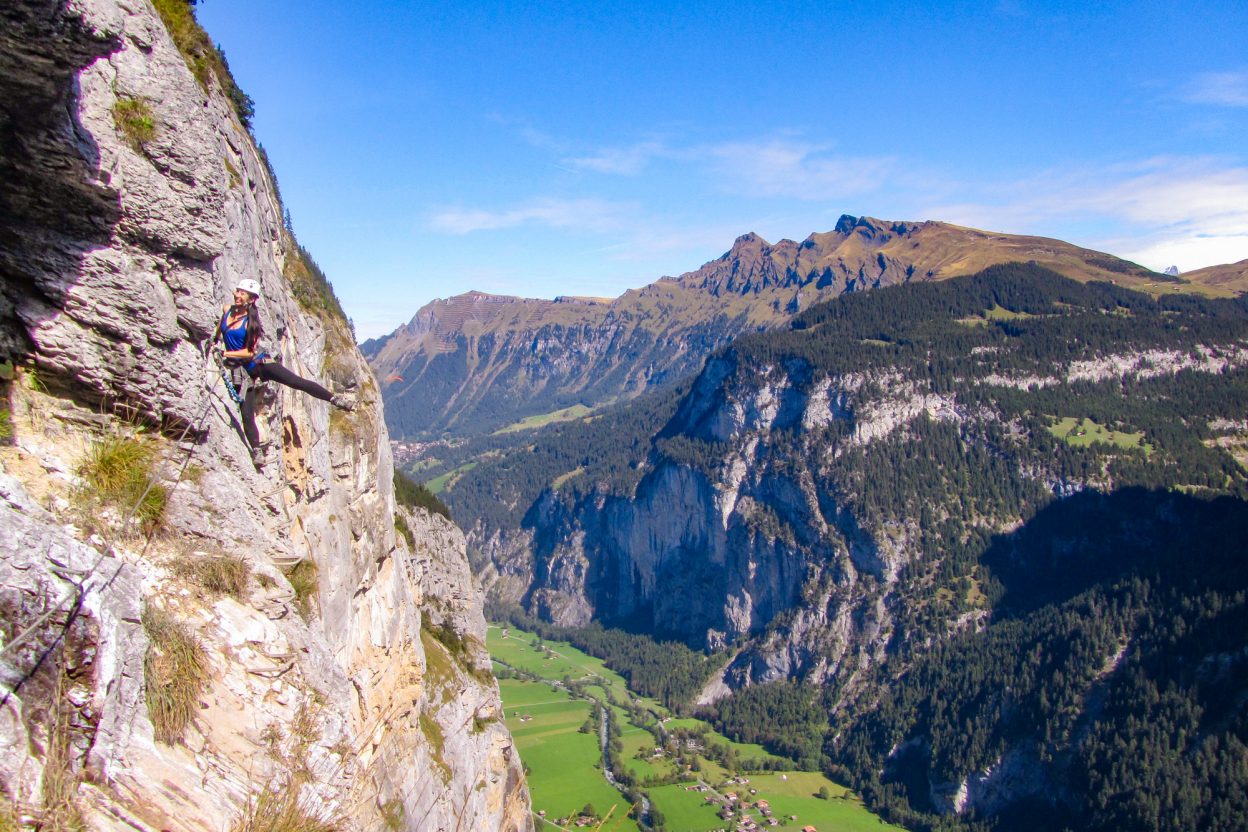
(1048, 554)
(1110, 680)
(946, 333)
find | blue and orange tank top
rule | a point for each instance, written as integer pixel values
(236, 339)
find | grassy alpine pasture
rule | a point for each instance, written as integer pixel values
(797, 794)
(998, 313)
(567, 414)
(634, 740)
(553, 660)
(561, 760)
(745, 751)
(685, 810)
(1084, 432)
(438, 484)
(556, 659)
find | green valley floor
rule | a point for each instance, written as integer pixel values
(695, 779)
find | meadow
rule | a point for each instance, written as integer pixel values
(565, 767)
(1084, 432)
(567, 414)
(562, 762)
(439, 484)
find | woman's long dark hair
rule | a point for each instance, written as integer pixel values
(254, 328)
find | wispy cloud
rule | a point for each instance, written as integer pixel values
(574, 214)
(767, 167)
(1195, 206)
(529, 134)
(796, 170)
(1192, 211)
(1159, 191)
(627, 161)
(1228, 89)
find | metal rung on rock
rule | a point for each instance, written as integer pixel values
(277, 657)
(276, 613)
(287, 561)
(271, 672)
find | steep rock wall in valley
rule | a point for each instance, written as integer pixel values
(810, 515)
(720, 555)
(334, 681)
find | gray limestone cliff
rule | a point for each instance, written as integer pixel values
(342, 672)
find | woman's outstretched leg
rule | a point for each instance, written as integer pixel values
(272, 371)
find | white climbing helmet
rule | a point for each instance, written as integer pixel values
(249, 285)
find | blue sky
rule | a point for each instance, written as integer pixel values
(540, 148)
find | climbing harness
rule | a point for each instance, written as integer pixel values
(237, 380)
(226, 376)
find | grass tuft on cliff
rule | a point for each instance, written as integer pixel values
(8, 815)
(401, 527)
(135, 122)
(205, 59)
(305, 581)
(278, 808)
(119, 472)
(60, 811)
(175, 672)
(220, 575)
(393, 814)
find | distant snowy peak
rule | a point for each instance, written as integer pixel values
(1173, 271)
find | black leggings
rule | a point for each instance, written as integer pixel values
(272, 371)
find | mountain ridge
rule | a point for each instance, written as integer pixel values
(1231, 277)
(477, 362)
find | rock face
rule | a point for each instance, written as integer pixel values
(346, 671)
(717, 555)
(476, 362)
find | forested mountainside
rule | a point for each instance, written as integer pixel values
(475, 363)
(990, 525)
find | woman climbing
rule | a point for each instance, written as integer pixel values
(239, 336)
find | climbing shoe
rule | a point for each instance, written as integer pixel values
(343, 401)
(259, 456)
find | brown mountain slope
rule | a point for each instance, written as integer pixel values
(1229, 277)
(477, 362)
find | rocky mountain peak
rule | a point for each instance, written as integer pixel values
(845, 224)
(746, 242)
(482, 362)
